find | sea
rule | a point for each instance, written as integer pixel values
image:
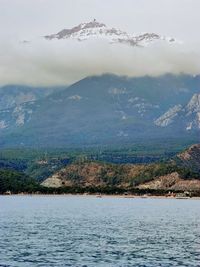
(90, 231)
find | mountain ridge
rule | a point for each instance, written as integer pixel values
(100, 110)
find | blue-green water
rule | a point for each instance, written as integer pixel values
(98, 232)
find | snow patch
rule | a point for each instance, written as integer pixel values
(167, 118)
(3, 125)
(117, 91)
(75, 97)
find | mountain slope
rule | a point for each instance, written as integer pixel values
(172, 175)
(190, 158)
(17, 103)
(14, 95)
(103, 174)
(103, 109)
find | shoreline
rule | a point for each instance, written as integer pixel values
(101, 196)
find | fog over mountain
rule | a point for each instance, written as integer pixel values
(27, 58)
(59, 62)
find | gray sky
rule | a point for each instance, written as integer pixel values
(29, 19)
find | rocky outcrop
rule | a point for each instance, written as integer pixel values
(168, 118)
(188, 117)
(53, 181)
(17, 104)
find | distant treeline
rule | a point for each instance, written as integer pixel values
(16, 182)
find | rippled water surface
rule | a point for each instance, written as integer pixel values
(98, 232)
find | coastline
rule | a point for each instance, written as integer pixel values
(102, 196)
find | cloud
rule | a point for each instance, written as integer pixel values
(56, 63)
(60, 62)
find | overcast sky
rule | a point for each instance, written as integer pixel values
(29, 19)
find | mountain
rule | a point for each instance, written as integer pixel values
(163, 176)
(186, 117)
(97, 30)
(96, 174)
(185, 178)
(16, 103)
(101, 110)
(14, 95)
(190, 158)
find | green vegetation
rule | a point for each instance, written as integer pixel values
(153, 171)
(16, 182)
(41, 163)
(38, 164)
(88, 170)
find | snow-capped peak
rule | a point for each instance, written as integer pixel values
(91, 24)
(98, 30)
